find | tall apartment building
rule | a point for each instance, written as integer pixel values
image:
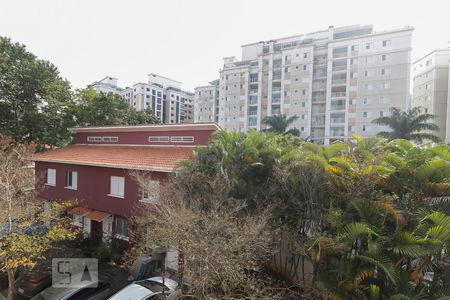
(336, 81)
(431, 88)
(164, 96)
(107, 85)
(207, 102)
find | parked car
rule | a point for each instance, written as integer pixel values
(33, 281)
(109, 282)
(148, 289)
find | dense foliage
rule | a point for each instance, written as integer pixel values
(412, 124)
(37, 104)
(371, 214)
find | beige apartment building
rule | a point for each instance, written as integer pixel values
(431, 88)
(164, 96)
(207, 103)
(335, 80)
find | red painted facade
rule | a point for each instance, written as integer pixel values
(100, 214)
(93, 187)
(142, 138)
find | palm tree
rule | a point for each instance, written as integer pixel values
(409, 125)
(280, 123)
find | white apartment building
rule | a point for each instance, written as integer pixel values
(336, 81)
(431, 88)
(162, 95)
(107, 85)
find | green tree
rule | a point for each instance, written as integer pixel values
(280, 124)
(412, 124)
(34, 99)
(94, 108)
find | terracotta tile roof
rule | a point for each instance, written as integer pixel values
(163, 159)
(98, 215)
(78, 210)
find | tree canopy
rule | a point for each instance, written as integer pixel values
(412, 124)
(35, 100)
(280, 124)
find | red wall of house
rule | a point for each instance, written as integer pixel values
(93, 187)
(201, 137)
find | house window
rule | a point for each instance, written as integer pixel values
(72, 180)
(51, 177)
(158, 139)
(364, 128)
(117, 186)
(184, 139)
(381, 114)
(387, 43)
(121, 228)
(150, 192)
(94, 138)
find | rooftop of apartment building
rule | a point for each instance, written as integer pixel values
(435, 51)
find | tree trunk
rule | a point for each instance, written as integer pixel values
(11, 278)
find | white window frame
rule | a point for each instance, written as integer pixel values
(182, 139)
(51, 177)
(158, 139)
(120, 235)
(74, 184)
(78, 220)
(117, 186)
(106, 139)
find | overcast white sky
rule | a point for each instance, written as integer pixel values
(186, 39)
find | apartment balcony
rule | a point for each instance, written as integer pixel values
(253, 91)
(253, 102)
(337, 132)
(276, 100)
(320, 60)
(253, 113)
(338, 107)
(276, 77)
(337, 120)
(338, 82)
(339, 68)
(276, 111)
(253, 80)
(276, 89)
(319, 99)
(338, 95)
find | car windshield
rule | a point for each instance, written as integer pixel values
(152, 285)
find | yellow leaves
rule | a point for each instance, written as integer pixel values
(333, 169)
(12, 264)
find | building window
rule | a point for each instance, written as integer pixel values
(366, 100)
(365, 114)
(305, 55)
(364, 128)
(121, 228)
(72, 180)
(354, 48)
(78, 220)
(51, 177)
(117, 186)
(381, 114)
(369, 45)
(384, 57)
(110, 139)
(367, 87)
(94, 138)
(158, 139)
(150, 192)
(304, 67)
(385, 85)
(387, 43)
(185, 139)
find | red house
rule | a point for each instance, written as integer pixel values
(97, 169)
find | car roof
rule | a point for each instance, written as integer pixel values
(170, 283)
(132, 291)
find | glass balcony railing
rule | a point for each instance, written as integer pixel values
(338, 94)
(253, 101)
(338, 107)
(252, 113)
(276, 89)
(253, 91)
(338, 81)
